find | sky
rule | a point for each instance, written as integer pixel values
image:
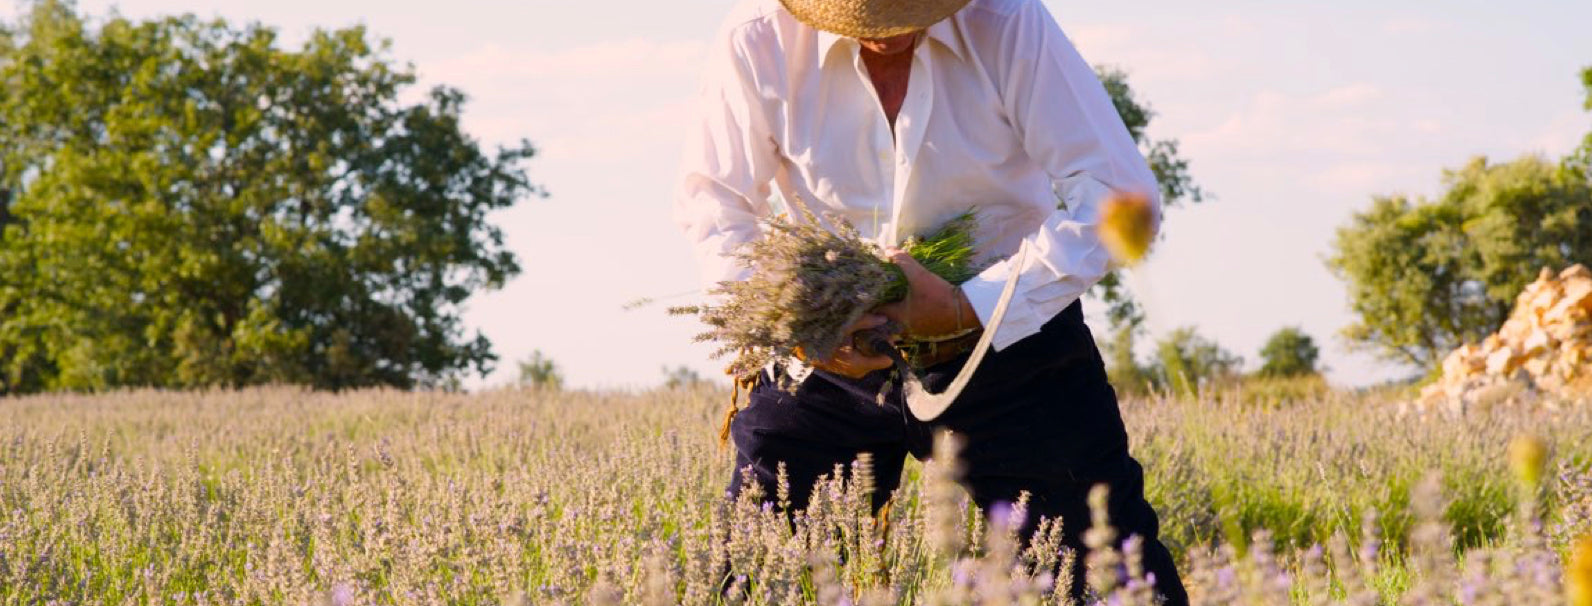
(1292, 114)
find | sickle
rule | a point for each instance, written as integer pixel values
(927, 405)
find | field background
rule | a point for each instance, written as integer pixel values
(283, 495)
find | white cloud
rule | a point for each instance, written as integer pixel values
(1236, 25)
(1125, 46)
(1409, 26)
(1349, 121)
(1562, 135)
(1099, 37)
(1366, 177)
(636, 134)
(600, 103)
(1346, 97)
(604, 60)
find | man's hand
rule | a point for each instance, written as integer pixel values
(846, 361)
(933, 307)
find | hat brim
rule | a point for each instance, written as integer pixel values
(872, 18)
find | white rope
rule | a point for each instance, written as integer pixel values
(927, 406)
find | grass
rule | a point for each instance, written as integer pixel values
(287, 496)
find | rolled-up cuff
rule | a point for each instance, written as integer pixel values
(984, 292)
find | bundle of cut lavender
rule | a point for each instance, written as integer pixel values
(808, 284)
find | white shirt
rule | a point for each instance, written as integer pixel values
(1001, 114)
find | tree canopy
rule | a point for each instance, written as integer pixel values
(191, 204)
(1289, 352)
(1186, 362)
(1123, 369)
(1425, 276)
(1183, 362)
(540, 372)
(1581, 162)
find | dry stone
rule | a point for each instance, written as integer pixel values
(1536, 342)
(1578, 295)
(1502, 361)
(1542, 354)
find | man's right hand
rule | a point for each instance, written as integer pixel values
(847, 361)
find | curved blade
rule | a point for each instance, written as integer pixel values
(927, 406)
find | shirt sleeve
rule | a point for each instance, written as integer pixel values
(728, 160)
(1069, 126)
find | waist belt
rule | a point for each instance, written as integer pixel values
(924, 354)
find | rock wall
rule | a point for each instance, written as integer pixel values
(1542, 354)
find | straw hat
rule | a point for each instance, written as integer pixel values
(871, 18)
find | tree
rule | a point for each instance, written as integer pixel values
(1123, 369)
(681, 377)
(193, 205)
(1425, 276)
(1171, 173)
(1289, 353)
(1186, 362)
(1580, 163)
(540, 372)
(5, 204)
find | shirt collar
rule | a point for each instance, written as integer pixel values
(943, 32)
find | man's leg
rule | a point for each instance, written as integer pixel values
(1131, 516)
(828, 421)
(1041, 417)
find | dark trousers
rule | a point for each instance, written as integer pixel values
(1038, 416)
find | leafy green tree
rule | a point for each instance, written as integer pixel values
(1425, 276)
(1581, 162)
(1289, 353)
(1123, 369)
(1186, 362)
(540, 372)
(1171, 172)
(194, 205)
(681, 377)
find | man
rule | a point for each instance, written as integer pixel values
(897, 115)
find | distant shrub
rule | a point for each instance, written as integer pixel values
(1276, 391)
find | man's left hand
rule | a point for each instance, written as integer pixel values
(933, 307)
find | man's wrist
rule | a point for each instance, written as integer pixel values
(966, 322)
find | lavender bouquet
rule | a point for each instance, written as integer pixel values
(809, 283)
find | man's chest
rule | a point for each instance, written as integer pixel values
(890, 78)
(899, 152)
(848, 120)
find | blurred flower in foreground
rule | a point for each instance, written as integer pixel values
(1578, 573)
(1127, 226)
(1527, 457)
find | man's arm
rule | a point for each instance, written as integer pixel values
(728, 161)
(730, 157)
(1069, 126)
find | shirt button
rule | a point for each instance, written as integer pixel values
(884, 157)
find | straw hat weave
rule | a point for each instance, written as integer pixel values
(871, 18)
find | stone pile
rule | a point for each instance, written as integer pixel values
(1542, 354)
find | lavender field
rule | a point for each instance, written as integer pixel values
(545, 497)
